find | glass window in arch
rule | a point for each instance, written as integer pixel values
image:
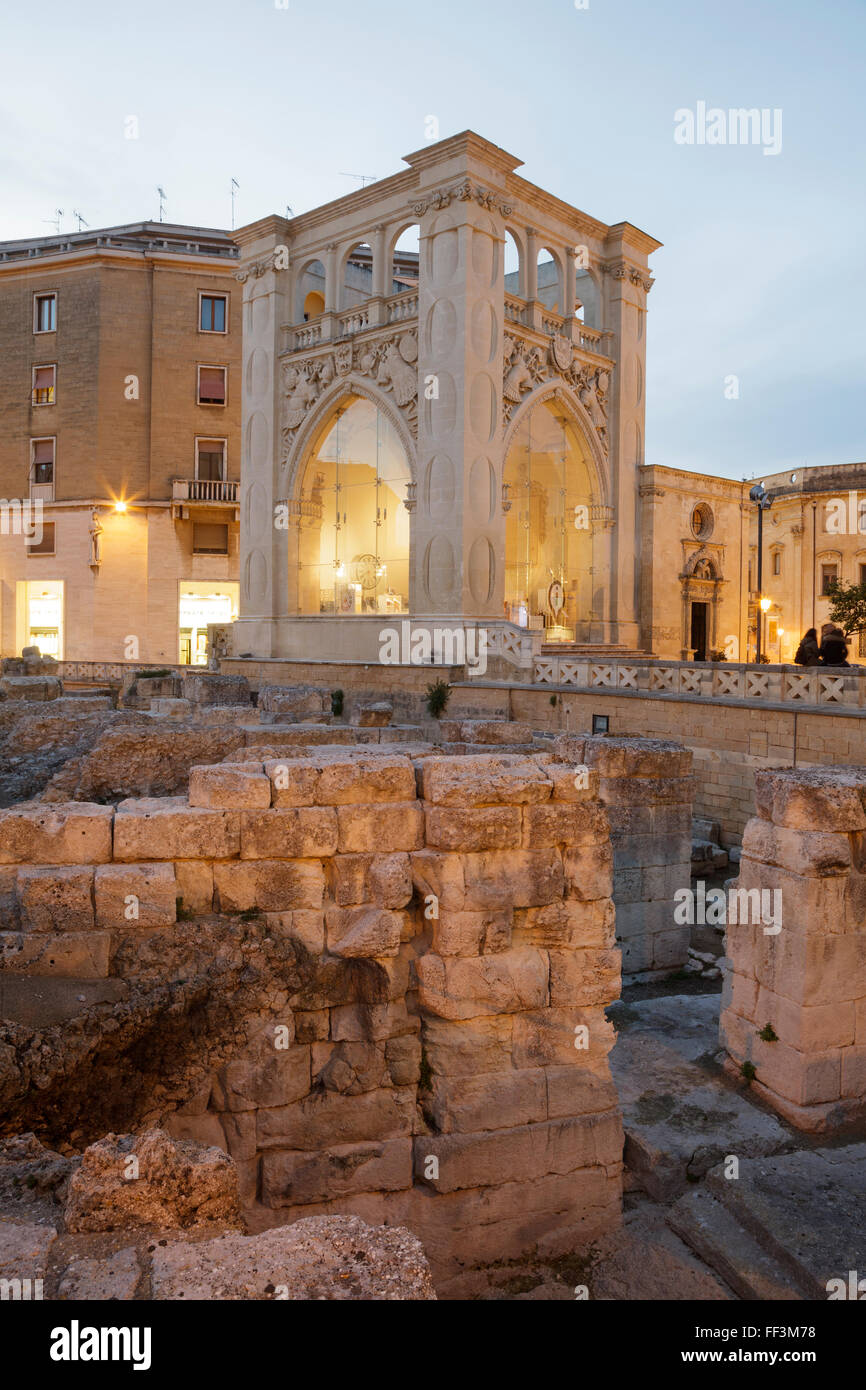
(352, 527)
(548, 527)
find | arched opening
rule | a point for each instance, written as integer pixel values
(549, 281)
(352, 527)
(548, 527)
(357, 279)
(514, 279)
(404, 260)
(587, 297)
(310, 293)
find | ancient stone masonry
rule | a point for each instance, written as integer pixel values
(438, 1055)
(646, 786)
(794, 1016)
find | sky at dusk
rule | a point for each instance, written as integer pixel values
(761, 274)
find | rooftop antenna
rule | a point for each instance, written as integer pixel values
(290, 212)
(54, 221)
(235, 186)
(162, 196)
(81, 221)
(365, 178)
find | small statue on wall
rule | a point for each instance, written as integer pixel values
(96, 528)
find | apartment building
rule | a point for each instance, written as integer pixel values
(120, 409)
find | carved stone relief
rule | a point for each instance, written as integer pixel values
(527, 366)
(462, 192)
(390, 362)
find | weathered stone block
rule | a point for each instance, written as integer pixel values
(521, 1154)
(380, 829)
(567, 924)
(833, 799)
(476, 828)
(363, 931)
(579, 1037)
(194, 882)
(464, 987)
(390, 880)
(302, 833)
(230, 787)
(168, 828)
(207, 688)
(508, 779)
(294, 781)
(358, 780)
(472, 933)
(493, 1100)
(135, 895)
(56, 899)
(300, 1177)
(305, 925)
(71, 955)
(332, 1119)
(565, 823)
(583, 978)
(466, 1047)
(524, 878)
(439, 876)
(72, 833)
(280, 1079)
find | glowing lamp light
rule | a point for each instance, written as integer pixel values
(765, 604)
(120, 507)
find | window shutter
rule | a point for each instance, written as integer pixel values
(212, 385)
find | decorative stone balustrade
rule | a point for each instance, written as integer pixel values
(788, 685)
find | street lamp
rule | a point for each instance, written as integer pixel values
(765, 608)
(763, 502)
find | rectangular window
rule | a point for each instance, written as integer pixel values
(44, 384)
(829, 574)
(44, 313)
(863, 574)
(210, 538)
(210, 460)
(42, 460)
(777, 562)
(212, 313)
(212, 385)
(45, 546)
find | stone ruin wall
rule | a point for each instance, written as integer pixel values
(794, 1006)
(446, 1072)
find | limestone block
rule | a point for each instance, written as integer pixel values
(390, 880)
(812, 970)
(670, 948)
(383, 829)
(362, 1022)
(637, 955)
(179, 1185)
(467, 1047)
(439, 876)
(583, 978)
(304, 926)
(674, 821)
(312, 1025)
(569, 787)
(806, 1028)
(305, 832)
(56, 899)
(363, 931)
(31, 688)
(492, 1100)
(331, 1119)
(521, 1154)
(573, 1090)
(207, 688)
(348, 879)
(633, 757)
(644, 919)
(135, 895)
(565, 823)
(464, 987)
(229, 787)
(493, 732)
(357, 780)
(832, 799)
(523, 878)
(854, 1073)
(338, 982)
(476, 828)
(472, 933)
(352, 1068)
(808, 904)
(170, 708)
(627, 883)
(588, 871)
(375, 716)
(115, 1278)
(168, 828)
(281, 1079)
(71, 955)
(648, 791)
(71, 833)
(194, 881)
(403, 1059)
(643, 849)
(299, 1177)
(567, 924)
(485, 780)
(815, 853)
(294, 781)
(290, 704)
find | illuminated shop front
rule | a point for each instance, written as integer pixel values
(41, 616)
(202, 602)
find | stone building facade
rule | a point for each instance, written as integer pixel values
(120, 453)
(463, 453)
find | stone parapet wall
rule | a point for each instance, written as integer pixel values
(444, 1065)
(647, 789)
(794, 1007)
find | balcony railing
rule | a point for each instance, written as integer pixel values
(211, 490)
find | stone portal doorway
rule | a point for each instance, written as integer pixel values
(698, 641)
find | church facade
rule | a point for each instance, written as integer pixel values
(443, 417)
